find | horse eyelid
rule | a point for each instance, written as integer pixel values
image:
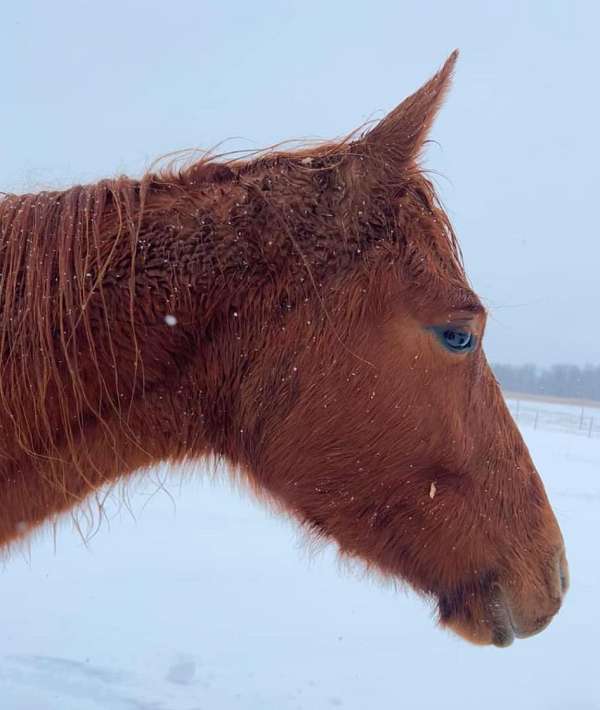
(465, 314)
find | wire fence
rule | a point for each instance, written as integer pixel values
(583, 420)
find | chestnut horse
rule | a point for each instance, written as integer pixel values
(304, 316)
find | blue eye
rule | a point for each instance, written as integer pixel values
(456, 340)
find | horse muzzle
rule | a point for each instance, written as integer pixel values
(505, 610)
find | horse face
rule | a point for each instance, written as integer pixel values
(384, 428)
(403, 451)
(492, 551)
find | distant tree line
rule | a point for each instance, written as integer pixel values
(558, 380)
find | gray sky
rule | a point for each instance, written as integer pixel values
(91, 89)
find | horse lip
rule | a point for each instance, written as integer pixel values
(504, 627)
(501, 619)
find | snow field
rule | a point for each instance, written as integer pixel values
(206, 600)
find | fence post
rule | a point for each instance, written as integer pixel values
(591, 427)
(537, 414)
(581, 418)
(518, 408)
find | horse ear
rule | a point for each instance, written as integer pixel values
(401, 134)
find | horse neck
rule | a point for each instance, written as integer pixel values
(123, 298)
(107, 293)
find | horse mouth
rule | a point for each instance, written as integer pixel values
(500, 620)
(491, 619)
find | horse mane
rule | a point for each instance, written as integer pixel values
(57, 249)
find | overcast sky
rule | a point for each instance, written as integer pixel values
(91, 89)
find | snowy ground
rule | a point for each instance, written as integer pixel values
(207, 601)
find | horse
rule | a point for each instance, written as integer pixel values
(303, 315)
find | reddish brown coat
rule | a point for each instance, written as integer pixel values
(274, 312)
